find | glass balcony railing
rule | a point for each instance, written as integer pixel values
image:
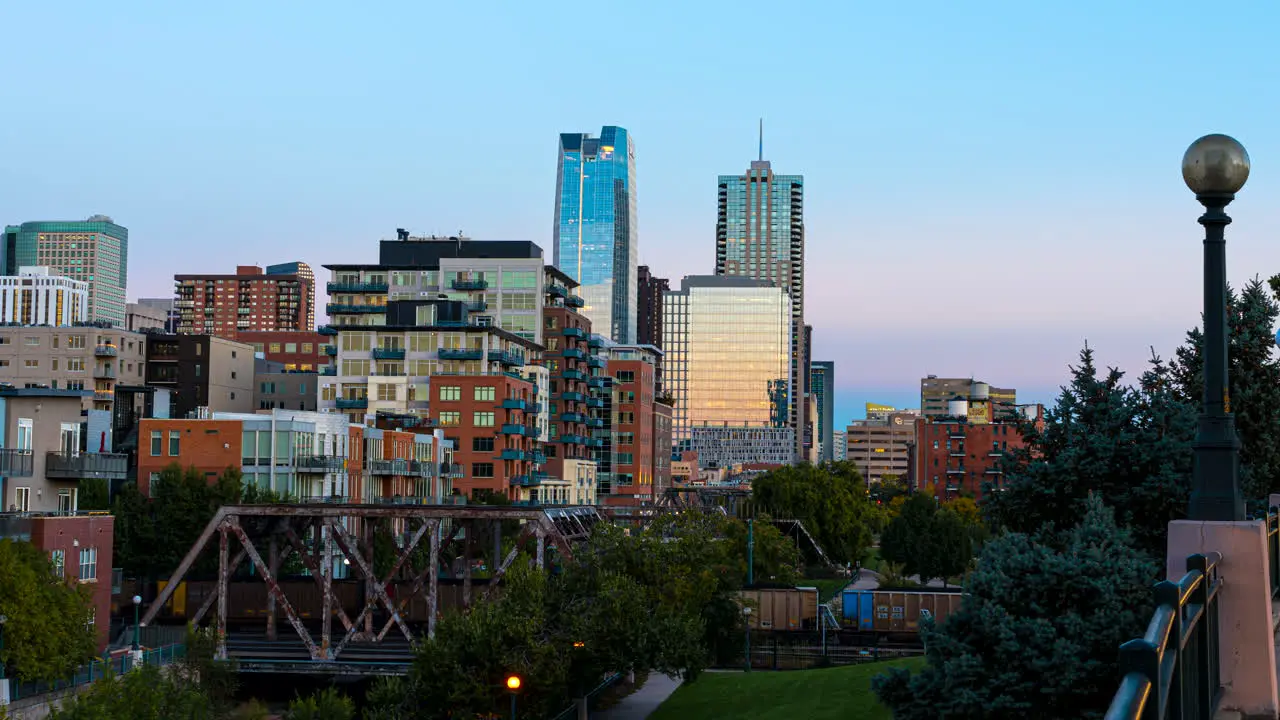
(106, 351)
(574, 301)
(595, 361)
(339, 308)
(388, 353)
(573, 353)
(318, 463)
(514, 429)
(353, 403)
(83, 466)
(328, 370)
(507, 357)
(331, 350)
(515, 404)
(469, 284)
(557, 289)
(573, 418)
(16, 463)
(573, 397)
(327, 330)
(357, 287)
(574, 332)
(510, 454)
(573, 375)
(460, 354)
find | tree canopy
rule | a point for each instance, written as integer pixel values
(831, 499)
(47, 634)
(1039, 630)
(928, 540)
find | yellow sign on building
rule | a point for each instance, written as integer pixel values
(979, 413)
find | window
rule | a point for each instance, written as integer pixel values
(25, 428)
(307, 348)
(155, 443)
(233, 374)
(22, 499)
(484, 393)
(59, 560)
(450, 392)
(31, 363)
(175, 436)
(450, 418)
(387, 392)
(32, 341)
(482, 444)
(482, 470)
(482, 419)
(291, 348)
(75, 364)
(626, 438)
(88, 564)
(275, 347)
(626, 376)
(626, 458)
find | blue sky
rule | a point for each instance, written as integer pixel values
(988, 183)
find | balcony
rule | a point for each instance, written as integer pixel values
(526, 480)
(538, 458)
(331, 350)
(15, 463)
(573, 353)
(508, 358)
(477, 307)
(104, 373)
(466, 284)
(387, 467)
(356, 287)
(595, 382)
(461, 354)
(105, 351)
(515, 429)
(104, 395)
(340, 308)
(510, 454)
(572, 439)
(574, 332)
(329, 370)
(85, 466)
(595, 402)
(318, 463)
(353, 403)
(595, 341)
(574, 301)
(514, 404)
(595, 361)
(557, 290)
(451, 471)
(388, 353)
(573, 375)
(421, 468)
(573, 397)
(595, 423)
(327, 330)
(573, 418)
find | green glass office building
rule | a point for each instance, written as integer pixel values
(95, 251)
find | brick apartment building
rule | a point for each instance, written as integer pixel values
(634, 372)
(280, 298)
(577, 382)
(295, 349)
(957, 456)
(492, 420)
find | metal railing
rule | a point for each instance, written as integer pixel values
(86, 674)
(84, 465)
(1173, 670)
(570, 712)
(1273, 548)
(16, 463)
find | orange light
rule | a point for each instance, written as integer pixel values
(513, 682)
(579, 644)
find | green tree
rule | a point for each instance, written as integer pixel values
(775, 557)
(1021, 645)
(47, 634)
(830, 499)
(327, 704)
(94, 494)
(1254, 377)
(1131, 447)
(145, 693)
(927, 540)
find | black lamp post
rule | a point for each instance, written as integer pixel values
(1215, 167)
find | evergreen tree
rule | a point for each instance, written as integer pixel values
(1254, 378)
(1131, 447)
(1038, 632)
(927, 540)
(47, 635)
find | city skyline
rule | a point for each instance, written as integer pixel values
(953, 200)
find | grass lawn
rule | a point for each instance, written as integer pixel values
(827, 694)
(826, 588)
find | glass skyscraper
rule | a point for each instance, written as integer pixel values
(727, 345)
(595, 238)
(760, 234)
(822, 381)
(95, 251)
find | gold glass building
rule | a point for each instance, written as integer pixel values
(728, 353)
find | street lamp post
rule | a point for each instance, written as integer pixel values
(513, 686)
(746, 614)
(1215, 167)
(137, 631)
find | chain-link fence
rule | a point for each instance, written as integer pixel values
(86, 674)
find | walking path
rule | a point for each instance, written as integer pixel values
(639, 704)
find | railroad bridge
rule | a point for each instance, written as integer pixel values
(439, 550)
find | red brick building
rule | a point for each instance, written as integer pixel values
(957, 457)
(210, 446)
(281, 298)
(574, 374)
(492, 420)
(297, 349)
(633, 370)
(80, 548)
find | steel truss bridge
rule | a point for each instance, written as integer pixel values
(322, 536)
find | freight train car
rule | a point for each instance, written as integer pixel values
(896, 610)
(793, 608)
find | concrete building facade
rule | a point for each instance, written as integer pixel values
(251, 299)
(76, 358)
(93, 251)
(34, 296)
(723, 446)
(882, 448)
(201, 371)
(274, 386)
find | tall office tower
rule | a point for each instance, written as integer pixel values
(595, 235)
(34, 297)
(760, 234)
(649, 307)
(95, 251)
(304, 272)
(727, 352)
(822, 380)
(226, 305)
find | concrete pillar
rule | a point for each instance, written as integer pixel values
(4, 692)
(1246, 651)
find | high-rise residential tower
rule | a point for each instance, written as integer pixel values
(822, 380)
(727, 350)
(595, 234)
(649, 307)
(760, 234)
(95, 251)
(249, 300)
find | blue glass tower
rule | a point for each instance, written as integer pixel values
(595, 238)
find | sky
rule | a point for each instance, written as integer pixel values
(989, 185)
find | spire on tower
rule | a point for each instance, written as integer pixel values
(761, 139)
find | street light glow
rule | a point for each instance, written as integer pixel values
(513, 682)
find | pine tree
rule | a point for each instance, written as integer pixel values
(1254, 376)
(1128, 446)
(1038, 632)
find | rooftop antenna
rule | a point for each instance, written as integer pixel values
(761, 139)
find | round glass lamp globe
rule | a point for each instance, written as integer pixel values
(513, 682)
(1215, 165)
